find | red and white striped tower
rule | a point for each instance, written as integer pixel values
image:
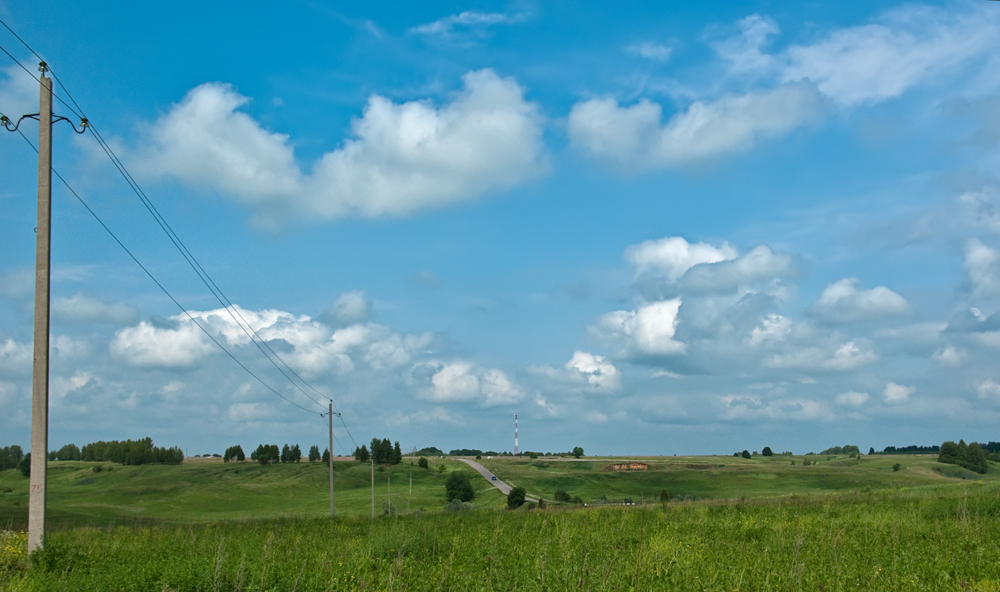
(516, 451)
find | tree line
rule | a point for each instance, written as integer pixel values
(10, 457)
(969, 456)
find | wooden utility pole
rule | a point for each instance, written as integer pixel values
(373, 483)
(330, 416)
(40, 369)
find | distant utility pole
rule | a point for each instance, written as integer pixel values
(330, 457)
(373, 485)
(37, 492)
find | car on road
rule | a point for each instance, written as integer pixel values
(494, 477)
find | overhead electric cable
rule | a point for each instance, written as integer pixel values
(203, 275)
(159, 285)
(175, 239)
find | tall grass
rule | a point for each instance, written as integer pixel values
(941, 538)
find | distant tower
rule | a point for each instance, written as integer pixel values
(516, 451)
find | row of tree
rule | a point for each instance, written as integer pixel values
(382, 452)
(10, 457)
(130, 452)
(971, 456)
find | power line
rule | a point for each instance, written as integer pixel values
(159, 285)
(203, 275)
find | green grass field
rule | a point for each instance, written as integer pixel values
(760, 524)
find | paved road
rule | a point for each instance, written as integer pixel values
(503, 487)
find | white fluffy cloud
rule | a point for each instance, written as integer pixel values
(841, 357)
(15, 358)
(950, 356)
(743, 51)
(758, 264)
(851, 399)
(988, 389)
(349, 308)
(910, 45)
(672, 256)
(897, 394)
(650, 50)
(981, 265)
(584, 371)
(458, 382)
(773, 327)
(633, 139)
(466, 19)
(647, 330)
(82, 308)
(402, 158)
(841, 301)
(148, 346)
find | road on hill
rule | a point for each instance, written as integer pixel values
(503, 487)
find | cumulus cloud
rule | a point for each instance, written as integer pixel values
(633, 139)
(746, 408)
(950, 356)
(648, 330)
(18, 284)
(988, 389)
(851, 399)
(466, 20)
(650, 50)
(843, 302)
(81, 308)
(758, 264)
(841, 358)
(743, 51)
(773, 327)
(62, 386)
(348, 309)
(672, 256)
(882, 60)
(15, 358)
(981, 266)
(402, 157)
(148, 346)
(18, 90)
(458, 382)
(897, 394)
(584, 371)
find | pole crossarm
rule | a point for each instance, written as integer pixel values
(7, 123)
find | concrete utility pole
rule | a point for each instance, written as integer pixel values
(373, 484)
(40, 369)
(330, 416)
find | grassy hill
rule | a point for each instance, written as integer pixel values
(204, 491)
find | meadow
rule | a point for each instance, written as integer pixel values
(760, 524)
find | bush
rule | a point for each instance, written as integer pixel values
(562, 496)
(577, 452)
(896, 467)
(25, 465)
(533, 456)
(422, 463)
(459, 486)
(745, 454)
(457, 505)
(515, 499)
(767, 451)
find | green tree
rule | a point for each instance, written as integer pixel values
(459, 486)
(234, 453)
(25, 465)
(562, 496)
(871, 451)
(397, 454)
(515, 499)
(975, 459)
(266, 454)
(422, 463)
(746, 454)
(577, 452)
(767, 451)
(326, 456)
(533, 455)
(295, 454)
(10, 457)
(314, 453)
(361, 454)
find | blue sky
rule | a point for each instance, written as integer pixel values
(646, 230)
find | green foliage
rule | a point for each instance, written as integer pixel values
(871, 451)
(234, 453)
(131, 452)
(266, 454)
(383, 452)
(459, 486)
(466, 452)
(767, 451)
(422, 463)
(67, 452)
(25, 465)
(361, 454)
(562, 496)
(746, 454)
(971, 456)
(515, 499)
(326, 456)
(430, 451)
(10, 457)
(291, 454)
(577, 452)
(846, 449)
(896, 467)
(314, 454)
(532, 456)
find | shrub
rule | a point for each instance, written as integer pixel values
(767, 451)
(459, 486)
(745, 454)
(533, 456)
(515, 499)
(896, 467)
(422, 463)
(577, 452)
(562, 496)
